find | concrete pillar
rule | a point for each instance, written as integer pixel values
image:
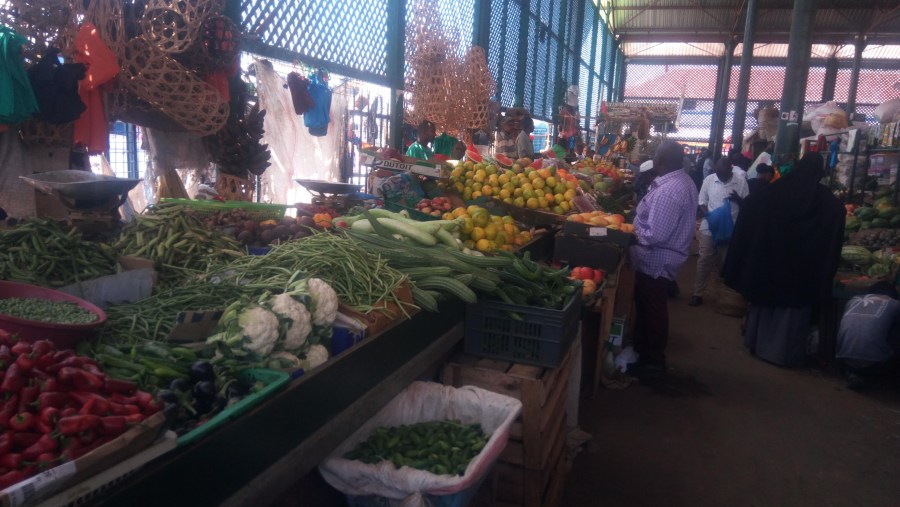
(831, 70)
(743, 87)
(793, 97)
(715, 111)
(854, 75)
(396, 63)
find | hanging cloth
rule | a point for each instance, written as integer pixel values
(55, 86)
(299, 87)
(317, 118)
(218, 79)
(444, 144)
(91, 128)
(17, 100)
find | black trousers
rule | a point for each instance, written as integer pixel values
(651, 328)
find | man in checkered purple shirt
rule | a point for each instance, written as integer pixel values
(664, 227)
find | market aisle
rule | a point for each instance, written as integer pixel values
(728, 429)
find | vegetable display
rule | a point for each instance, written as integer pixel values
(43, 310)
(359, 277)
(58, 406)
(439, 447)
(176, 238)
(41, 252)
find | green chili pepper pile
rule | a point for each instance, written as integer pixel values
(41, 252)
(439, 447)
(43, 310)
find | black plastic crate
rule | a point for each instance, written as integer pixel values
(541, 338)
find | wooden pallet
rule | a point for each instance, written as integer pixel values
(516, 486)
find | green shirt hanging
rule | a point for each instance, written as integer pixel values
(17, 102)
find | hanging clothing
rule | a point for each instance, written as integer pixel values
(299, 87)
(218, 79)
(17, 100)
(444, 144)
(317, 118)
(419, 151)
(55, 86)
(91, 128)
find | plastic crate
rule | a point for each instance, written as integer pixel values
(461, 499)
(541, 338)
(273, 380)
(256, 210)
(413, 213)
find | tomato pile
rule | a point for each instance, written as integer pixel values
(56, 406)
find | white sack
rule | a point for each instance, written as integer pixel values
(887, 111)
(422, 402)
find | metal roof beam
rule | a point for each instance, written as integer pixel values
(763, 36)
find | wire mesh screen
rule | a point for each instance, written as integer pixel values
(509, 65)
(350, 33)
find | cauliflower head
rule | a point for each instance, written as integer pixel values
(316, 356)
(325, 302)
(284, 360)
(259, 328)
(286, 307)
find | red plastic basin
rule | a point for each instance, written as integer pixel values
(64, 336)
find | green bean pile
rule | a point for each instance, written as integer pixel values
(41, 252)
(360, 278)
(154, 317)
(177, 239)
(43, 310)
(439, 447)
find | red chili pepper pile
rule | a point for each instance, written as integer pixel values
(56, 406)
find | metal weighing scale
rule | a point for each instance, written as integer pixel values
(328, 194)
(93, 200)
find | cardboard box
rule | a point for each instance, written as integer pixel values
(134, 283)
(578, 251)
(420, 167)
(38, 487)
(390, 314)
(194, 326)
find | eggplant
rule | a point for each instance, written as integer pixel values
(167, 397)
(205, 390)
(180, 385)
(202, 371)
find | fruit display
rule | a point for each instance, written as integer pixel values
(613, 221)
(599, 177)
(876, 238)
(524, 184)
(434, 207)
(881, 215)
(485, 232)
(590, 279)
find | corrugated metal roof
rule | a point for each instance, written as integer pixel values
(673, 49)
(836, 21)
(762, 50)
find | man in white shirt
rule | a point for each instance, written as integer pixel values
(722, 188)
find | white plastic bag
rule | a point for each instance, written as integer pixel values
(421, 402)
(887, 111)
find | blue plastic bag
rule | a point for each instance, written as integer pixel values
(720, 224)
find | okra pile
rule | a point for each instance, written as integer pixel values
(439, 447)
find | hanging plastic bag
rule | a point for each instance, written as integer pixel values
(720, 223)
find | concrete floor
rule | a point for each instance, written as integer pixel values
(726, 429)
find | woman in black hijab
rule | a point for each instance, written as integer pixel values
(783, 256)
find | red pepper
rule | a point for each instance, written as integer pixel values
(6, 443)
(44, 361)
(9, 409)
(27, 396)
(147, 402)
(47, 460)
(21, 347)
(45, 428)
(45, 444)
(77, 424)
(61, 355)
(69, 411)
(52, 399)
(50, 415)
(12, 381)
(37, 374)
(94, 369)
(5, 337)
(81, 379)
(113, 425)
(24, 362)
(10, 478)
(134, 418)
(71, 361)
(91, 403)
(87, 437)
(6, 354)
(23, 421)
(124, 400)
(12, 461)
(114, 385)
(120, 409)
(41, 348)
(23, 440)
(49, 384)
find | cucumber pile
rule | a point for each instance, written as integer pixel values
(439, 447)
